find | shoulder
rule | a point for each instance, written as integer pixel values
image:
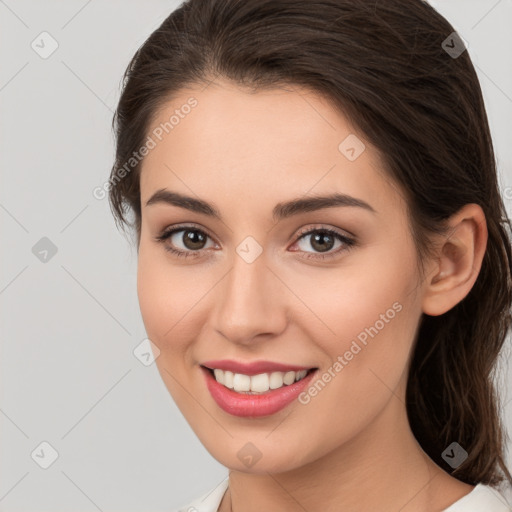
(482, 497)
(209, 501)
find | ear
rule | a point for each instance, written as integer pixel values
(459, 260)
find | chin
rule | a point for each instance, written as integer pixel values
(256, 457)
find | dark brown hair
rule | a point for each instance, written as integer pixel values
(385, 65)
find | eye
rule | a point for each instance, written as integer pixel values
(192, 240)
(323, 240)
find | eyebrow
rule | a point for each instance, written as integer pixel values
(281, 210)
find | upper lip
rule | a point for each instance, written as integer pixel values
(252, 368)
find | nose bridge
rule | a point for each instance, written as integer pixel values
(248, 302)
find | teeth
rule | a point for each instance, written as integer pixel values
(260, 383)
(241, 382)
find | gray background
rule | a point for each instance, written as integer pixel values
(70, 324)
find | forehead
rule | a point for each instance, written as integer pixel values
(271, 143)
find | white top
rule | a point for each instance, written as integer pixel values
(481, 498)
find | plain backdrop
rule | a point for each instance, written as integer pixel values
(69, 313)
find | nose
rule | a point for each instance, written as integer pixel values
(250, 302)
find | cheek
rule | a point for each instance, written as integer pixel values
(162, 295)
(166, 299)
(367, 288)
(170, 298)
(366, 314)
(367, 356)
(153, 297)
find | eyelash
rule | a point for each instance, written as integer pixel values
(349, 243)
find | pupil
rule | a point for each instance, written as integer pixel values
(318, 245)
(193, 239)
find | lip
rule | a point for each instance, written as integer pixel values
(252, 368)
(254, 406)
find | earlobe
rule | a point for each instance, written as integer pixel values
(458, 263)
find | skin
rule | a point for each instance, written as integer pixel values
(351, 446)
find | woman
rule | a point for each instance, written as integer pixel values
(324, 258)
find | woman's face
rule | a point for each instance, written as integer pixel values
(252, 286)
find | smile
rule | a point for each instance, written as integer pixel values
(258, 395)
(257, 384)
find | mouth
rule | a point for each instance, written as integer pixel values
(252, 396)
(257, 384)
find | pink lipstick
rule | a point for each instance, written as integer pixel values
(251, 404)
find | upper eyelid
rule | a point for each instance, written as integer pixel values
(342, 232)
(177, 228)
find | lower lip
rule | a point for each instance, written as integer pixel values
(253, 406)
